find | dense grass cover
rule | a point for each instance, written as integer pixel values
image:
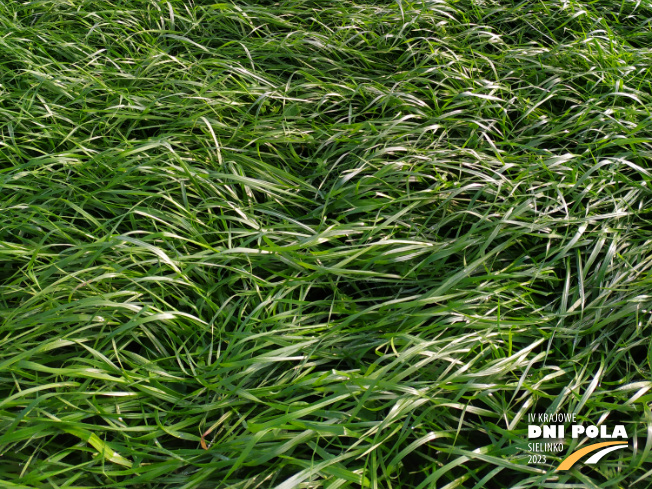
(322, 243)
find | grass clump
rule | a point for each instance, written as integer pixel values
(322, 244)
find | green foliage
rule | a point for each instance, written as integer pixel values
(337, 244)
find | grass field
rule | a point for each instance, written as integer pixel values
(322, 244)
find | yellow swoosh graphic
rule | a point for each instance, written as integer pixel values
(569, 461)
